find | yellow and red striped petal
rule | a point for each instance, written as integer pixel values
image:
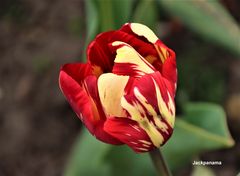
(150, 104)
(128, 61)
(98, 53)
(164, 61)
(141, 30)
(130, 133)
(80, 89)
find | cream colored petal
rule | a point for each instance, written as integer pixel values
(142, 30)
(111, 89)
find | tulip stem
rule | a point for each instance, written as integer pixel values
(159, 163)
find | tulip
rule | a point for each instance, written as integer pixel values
(125, 92)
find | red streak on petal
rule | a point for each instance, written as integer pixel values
(128, 69)
(129, 132)
(168, 134)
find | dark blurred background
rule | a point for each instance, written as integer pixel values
(37, 126)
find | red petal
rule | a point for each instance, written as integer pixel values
(169, 68)
(80, 89)
(77, 71)
(98, 52)
(129, 132)
(169, 71)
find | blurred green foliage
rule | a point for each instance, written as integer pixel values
(209, 19)
(202, 170)
(200, 127)
(200, 79)
(148, 18)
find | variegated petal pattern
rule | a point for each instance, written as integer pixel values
(146, 99)
(125, 93)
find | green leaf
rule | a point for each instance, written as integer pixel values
(122, 10)
(202, 170)
(201, 128)
(92, 23)
(86, 157)
(209, 117)
(91, 157)
(92, 20)
(209, 19)
(106, 15)
(191, 137)
(125, 162)
(146, 13)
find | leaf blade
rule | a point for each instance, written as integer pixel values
(190, 139)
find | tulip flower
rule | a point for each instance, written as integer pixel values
(125, 92)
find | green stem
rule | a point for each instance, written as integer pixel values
(159, 163)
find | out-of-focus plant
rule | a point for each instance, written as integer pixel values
(201, 126)
(209, 20)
